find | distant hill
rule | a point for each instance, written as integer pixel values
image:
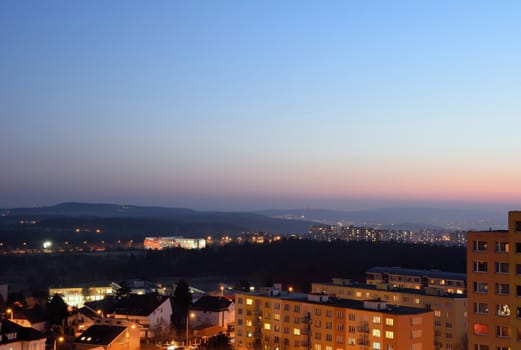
(138, 221)
(400, 218)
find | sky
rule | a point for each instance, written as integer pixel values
(240, 105)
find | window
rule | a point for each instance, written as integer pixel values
(352, 329)
(329, 313)
(329, 337)
(502, 310)
(296, 331)
(286, 318)
(340, 315)
(340, 339)
(276, 317)
(277, 306)
(266, 304)
(249, 323)
(318, 323)
(503, 332)
(481, 308)
(518, 226)
(318, 335)
(480, 246)
(351, 341)
(389, 322)
(389, 334)
(376, 332)
(518, 247)
(340, 327)
(501, 267)
(351, 317)
(481, 347)
(377, 320)
(480, 266)
(239, 301)
(239, 311)
(249, 301)
(318, 312)
(518, 291)
(296, 308)
(501, 247)
(502, 289)
(267, 326)
(376, 346)
(480, 329)
(480, 287)
(286, 307)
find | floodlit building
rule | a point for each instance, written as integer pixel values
(275, 320)
(494, 279)
(77, 296)
(450, 282)
(159, 243)
(450, 310)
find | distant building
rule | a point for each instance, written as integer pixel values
(159, 243)
(78, 295)
(34, 317)
(450, 282)
(494, 278)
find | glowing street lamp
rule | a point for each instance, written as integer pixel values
(10, 311)
(60, 339)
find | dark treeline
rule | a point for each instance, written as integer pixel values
(298, 262)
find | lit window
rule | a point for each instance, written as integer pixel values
(249, 301)
(267, 326)
(296, 331)
(376, 346)
(389, 322)
(377, 319)
(376, 332)
(389, 334)
(480, 329)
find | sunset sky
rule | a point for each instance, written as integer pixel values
(239, 105)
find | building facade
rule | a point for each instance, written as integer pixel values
(275, 320)
(494, 279)
(450, 310)
(450, 282)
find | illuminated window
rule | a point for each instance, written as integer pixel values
(501, 247)
(503, 331)
(249, 323)
(376, 332)
(389, 322)
(249, 301)
(296, 331)
(377, 319)
(480, 329)
(502, 310)
(276, 317)
(267, 326)
(376, 346)
(389, 334)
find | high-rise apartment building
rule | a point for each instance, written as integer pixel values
(275, 320)
(494, 287)
(450, 310)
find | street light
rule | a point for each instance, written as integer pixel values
(188, 317)
(60, 339)
(10, 311)
(222, 290)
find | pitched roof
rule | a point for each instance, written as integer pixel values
(133, 304)
(100, 335)
(211, 303)
(22, 333)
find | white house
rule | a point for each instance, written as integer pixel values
(16, 337)
(212, 310)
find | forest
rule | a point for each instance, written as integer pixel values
(292, 261)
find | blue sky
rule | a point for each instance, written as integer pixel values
(243, 104)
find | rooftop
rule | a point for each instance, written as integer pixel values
(421, 273)
(211, 303)
(342, 303)
(100, 334)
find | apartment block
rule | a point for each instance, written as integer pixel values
(450, 310)
(494, 279)
(275, 320)
(450, 282)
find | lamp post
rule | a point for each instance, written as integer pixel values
(222, 290)
(10, 311)
(59, 339)
(188, 317)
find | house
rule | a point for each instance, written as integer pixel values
(212, 311)
(152, 312)
(107, 337)
(34, 317)
(15, 337)
(81, 319)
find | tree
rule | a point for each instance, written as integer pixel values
(57, 310)
(182, 301)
